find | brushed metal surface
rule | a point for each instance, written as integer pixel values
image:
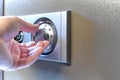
(1, 8)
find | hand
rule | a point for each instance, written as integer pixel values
(14, 55)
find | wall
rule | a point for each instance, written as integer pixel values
(95, 40)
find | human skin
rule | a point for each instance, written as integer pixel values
(14, 55)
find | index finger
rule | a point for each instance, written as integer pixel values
(26, 26)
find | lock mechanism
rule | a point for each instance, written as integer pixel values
(47, 31)
(20, 36)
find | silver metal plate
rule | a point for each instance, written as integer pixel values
(61, 20)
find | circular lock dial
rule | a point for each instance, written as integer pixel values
(47, 31)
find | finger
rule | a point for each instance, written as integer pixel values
(31, 48)
(43, 44)
(37, 51)
(24, 50)
(46, 43)
(15, 53)
(22, 45)
(34, 55)
(21, 63)
(29, 44)
(31, 58)
(28, 27)
(16, 60)
(31, 28)
(40, 44)
(23, 55)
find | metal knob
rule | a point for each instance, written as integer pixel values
(47, 31)
(40, 35)
(20, 36)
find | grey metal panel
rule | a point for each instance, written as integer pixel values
(1, 7)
